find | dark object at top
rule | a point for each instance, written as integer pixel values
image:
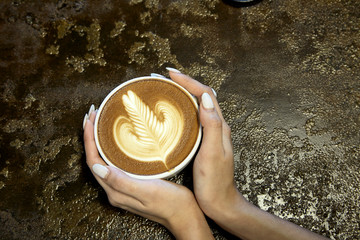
(241, 3)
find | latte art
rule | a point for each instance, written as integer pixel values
(148, 127)
(148, 135)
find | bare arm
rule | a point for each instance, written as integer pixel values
(213, 173)
(245, 220)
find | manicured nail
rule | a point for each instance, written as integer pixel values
(207, 101)
(85, 120)
(157, 75)
(214, 92)
(100, 170)
(172, 70)
(91, 110)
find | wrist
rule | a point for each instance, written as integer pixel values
(189, 223)
(231, 210)
(223, 207)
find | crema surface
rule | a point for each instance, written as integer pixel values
(148, 127)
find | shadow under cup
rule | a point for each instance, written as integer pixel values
(148, 127)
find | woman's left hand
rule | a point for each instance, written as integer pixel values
(172, 205)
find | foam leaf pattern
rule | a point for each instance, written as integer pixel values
(141, 135)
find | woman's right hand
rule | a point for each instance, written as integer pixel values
(213, 169)
(214, 185)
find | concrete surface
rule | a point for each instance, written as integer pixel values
(287, 77)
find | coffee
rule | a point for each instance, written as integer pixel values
(147, 126)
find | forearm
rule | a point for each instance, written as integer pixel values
(249, 222)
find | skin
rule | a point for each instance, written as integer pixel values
(172, 205)
(214, 185)
(215, 193)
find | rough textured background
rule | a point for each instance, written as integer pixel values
(287, 77)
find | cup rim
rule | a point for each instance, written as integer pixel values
(163, 175)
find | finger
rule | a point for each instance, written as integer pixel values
(115, 182)
(92, 116)
(126, 202)
(215, 130)
(195, 88)
(212, 142)
(92, 154)
(132, 205)
(116, 197)
(122, 200)
(129, 193)
(121, 182)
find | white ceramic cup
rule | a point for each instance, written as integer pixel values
(170, 172)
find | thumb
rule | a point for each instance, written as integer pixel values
(119, 181)
(112, 176)
(212, 126)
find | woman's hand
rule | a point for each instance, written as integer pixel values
(213, 169)
(214, 185)
(167, 203)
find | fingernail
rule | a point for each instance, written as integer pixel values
(91, 110)
(207, 101)
(172, 70)
(157, 75)
(100, 170)
(85, 120)
(214, 92)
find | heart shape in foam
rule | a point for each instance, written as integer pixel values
(147, 135)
